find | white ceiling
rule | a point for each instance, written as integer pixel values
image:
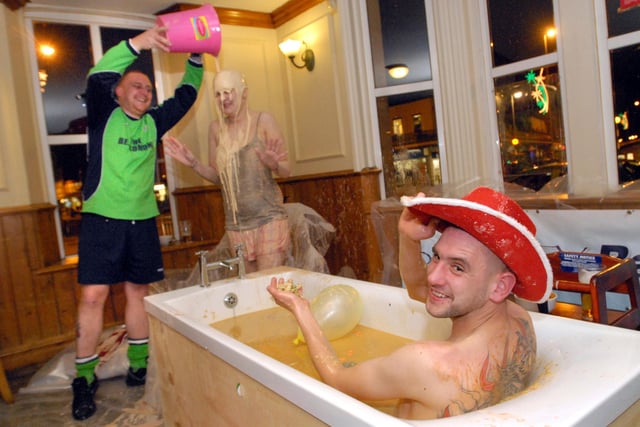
(152, 6)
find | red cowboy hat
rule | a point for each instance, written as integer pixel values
(500, 224)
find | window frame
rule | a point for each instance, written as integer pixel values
(421, 86)
(606, 45)
(552, 58)
(73, 16)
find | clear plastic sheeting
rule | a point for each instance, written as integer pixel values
(311, 236)
(59, 371)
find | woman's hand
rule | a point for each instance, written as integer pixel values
(179, 151)
(272, 153)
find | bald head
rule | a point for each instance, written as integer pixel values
(230, 91)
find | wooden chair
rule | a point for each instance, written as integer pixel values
(165, 225)
(5, 390)
(617, 275)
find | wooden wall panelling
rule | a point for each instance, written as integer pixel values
(8, 315)
(352, 223)
(203, 206)
(46, 236)
(27, 233)
(185, 257)
(370, 186)
(19, 273)
(356, 238)
(50, 328)
(212, 218)
(47, 306)
(67, 295)
(352, 237)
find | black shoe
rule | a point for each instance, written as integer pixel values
(137, 377)
(83, 405)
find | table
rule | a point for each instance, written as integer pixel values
(574, 311)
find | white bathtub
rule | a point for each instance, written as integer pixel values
(586, 374)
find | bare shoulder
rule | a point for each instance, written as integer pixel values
(512, 354)
(267, 121)
(266, 117)
(521, 320)
(268, 126)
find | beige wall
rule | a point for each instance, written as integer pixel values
(317, 102)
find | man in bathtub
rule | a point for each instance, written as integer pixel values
(486, 251)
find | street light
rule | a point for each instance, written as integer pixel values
(551, 34)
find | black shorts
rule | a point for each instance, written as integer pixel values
(114, 250)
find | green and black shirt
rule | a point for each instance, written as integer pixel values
(122, 150)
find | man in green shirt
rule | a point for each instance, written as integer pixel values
(118, 233)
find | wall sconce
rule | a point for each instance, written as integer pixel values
(290, 48)
(397, 71)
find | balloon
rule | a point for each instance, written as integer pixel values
(337, 309)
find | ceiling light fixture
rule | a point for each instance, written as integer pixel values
(290, 48)
(397, 71)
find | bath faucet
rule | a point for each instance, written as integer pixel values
(227, 263)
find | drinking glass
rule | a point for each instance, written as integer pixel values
(185, 230)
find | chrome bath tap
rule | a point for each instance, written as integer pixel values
(205, 266)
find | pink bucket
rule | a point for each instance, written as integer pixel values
(194, 30)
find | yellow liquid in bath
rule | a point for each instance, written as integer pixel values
(272, 332)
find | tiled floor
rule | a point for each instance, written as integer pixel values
(118, 406)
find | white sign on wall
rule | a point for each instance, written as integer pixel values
(588, 230)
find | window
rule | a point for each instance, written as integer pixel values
(405, 101)
(623, 24)
(527, 93)
(530, 127)
(64, 53)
